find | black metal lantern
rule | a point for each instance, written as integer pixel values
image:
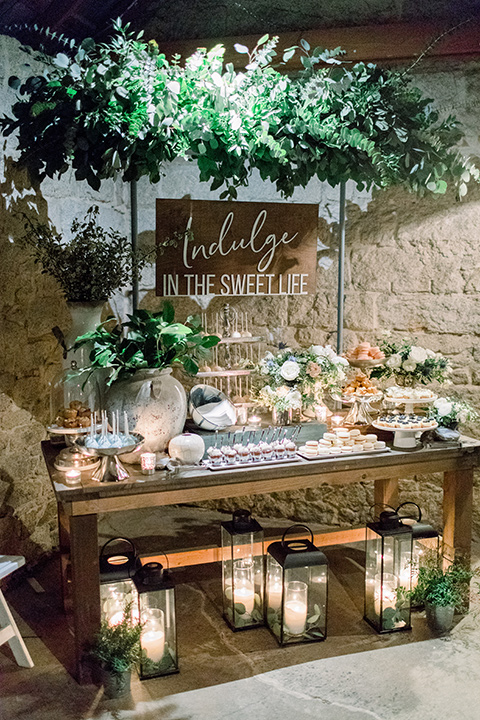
(388, 570)
(156, 603)
(117, 589)
(426, 542)
(296, 583)
(242, 571)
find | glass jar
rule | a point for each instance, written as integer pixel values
(74, 396)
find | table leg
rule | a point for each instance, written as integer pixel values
(457, 514)
(385, 493)
(64, 547)
(85, 588)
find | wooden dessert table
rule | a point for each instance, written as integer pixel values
(78, 508)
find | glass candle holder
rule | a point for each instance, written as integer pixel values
(148, 462)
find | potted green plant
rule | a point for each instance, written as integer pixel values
(442, 591)
(116, 648)
(89, 266)
(139, 355)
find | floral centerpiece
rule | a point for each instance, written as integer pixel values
(299, 378)
(410, 364)
(449, 412)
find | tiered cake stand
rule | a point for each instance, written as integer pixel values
(360, 414)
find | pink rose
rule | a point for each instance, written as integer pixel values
(313, 369)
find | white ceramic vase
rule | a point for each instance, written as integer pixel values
(156, 407)
(187, 448)
(85, 317)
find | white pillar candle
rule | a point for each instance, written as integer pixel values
(245, 595)
(274, 594)
(153, 642)
(295, 618)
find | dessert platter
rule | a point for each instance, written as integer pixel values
(406, 426)
(409, 396)
(365, 355)
(342, 442)
(360, 391)
(108, 444)
(242, 450)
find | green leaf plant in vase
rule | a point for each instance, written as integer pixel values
(442, 591)
(116, 649)
(89, 267)
(292, 380)
(139, 355)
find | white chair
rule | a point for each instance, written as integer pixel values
(9, 632)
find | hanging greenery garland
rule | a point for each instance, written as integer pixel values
(121, 108)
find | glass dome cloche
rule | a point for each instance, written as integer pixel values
(74, 396)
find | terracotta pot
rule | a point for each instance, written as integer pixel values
(439, 617)
(115, 684)
(156, 407)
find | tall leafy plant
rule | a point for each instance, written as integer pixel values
(122, 108)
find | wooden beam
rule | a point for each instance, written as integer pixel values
(383, 44)
(202, 556)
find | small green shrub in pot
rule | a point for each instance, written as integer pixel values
(117, 649)
(442, 591)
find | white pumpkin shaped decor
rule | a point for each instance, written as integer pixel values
(187, 448)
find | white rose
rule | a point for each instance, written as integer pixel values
(463, 416)
(290, 370)
(417, 354)
(439, 402)
(430, 353)
(394, 361)
(445, 409)
(409, 365)
(294, 399)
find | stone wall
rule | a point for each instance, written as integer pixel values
(413, 266)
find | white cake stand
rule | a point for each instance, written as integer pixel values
(410, 404)
(405, 438)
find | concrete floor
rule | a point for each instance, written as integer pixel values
(354, 674)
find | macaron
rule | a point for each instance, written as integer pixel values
(368, 446)
(371, 438)
(379, 445)
(354, 433)
(329, 436)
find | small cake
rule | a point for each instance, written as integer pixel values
(291, 448)
(256, 453)
(243, 453)
(230, 455)
(215, 455)
(280, 450)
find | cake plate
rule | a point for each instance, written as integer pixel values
(360, 412)
(111, 468)
(405, 438)
(410, 403)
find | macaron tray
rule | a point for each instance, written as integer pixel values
(342, 442)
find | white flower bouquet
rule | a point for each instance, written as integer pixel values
(450, 412)
(293, 379)
(411, 364)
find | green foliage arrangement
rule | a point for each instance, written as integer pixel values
(450, 412)
(122, 108)
(90, 266)
(410, 363)
(442, 587)
(147, 340)
(117, 647)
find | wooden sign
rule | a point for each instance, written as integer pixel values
(235, 248)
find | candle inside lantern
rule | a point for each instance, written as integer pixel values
(148, 462)
(73, 477)
(336, 420)
(274, 590)
(153, 636)
(295, 616)
(387, 594)
(254, 420)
